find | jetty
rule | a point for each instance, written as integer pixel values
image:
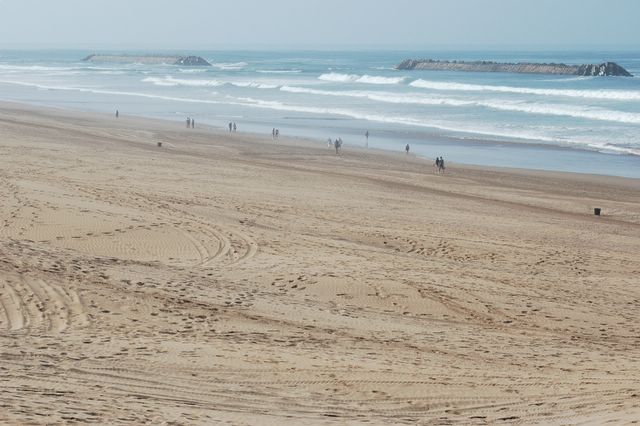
(603, 69)
(191, 61)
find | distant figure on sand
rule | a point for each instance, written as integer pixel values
(193, 123)
(235, 128)
(329, 143)
(406, 148)
(439, 164)
(117, 113)
(273, 133)
(366, 135)
(230, 127)
(188, 122)
(277, 133)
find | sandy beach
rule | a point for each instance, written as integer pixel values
(226, 278)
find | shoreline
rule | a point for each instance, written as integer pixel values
(424, 165)
(225, 277)
(458, 142)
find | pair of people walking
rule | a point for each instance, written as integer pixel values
(337, 144)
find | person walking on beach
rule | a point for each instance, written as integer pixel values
(117, 113)
(230, 126)
(366, 135)
(336, 144)
(235, 128)
(273, 133)
(329, 143)
(406, 148)
(436, 166)
(441, 164)
(193, 123)
(277, 133)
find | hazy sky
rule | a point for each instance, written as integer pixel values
(199, 24)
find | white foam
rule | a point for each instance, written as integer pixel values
(523, 107)
(254, 85)
(618, 95)
(387, 97)
(35, 68)
(403, 120)
(112, 92)
(562, 80)
(338, 78)
(172, 81)
(224, 66)
(193, 70)
(420, 122)
(565, 110)
(293, 71)
(354, 78)
(372, 79)
(410, 121)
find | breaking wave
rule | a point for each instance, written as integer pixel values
(617, 95)
(420, 122)
(511, 106)
(381, 118)
(172, 81)
(354, 78)
(224, 66)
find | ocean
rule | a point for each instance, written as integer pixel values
(561, 123)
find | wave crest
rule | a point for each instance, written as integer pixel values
(500, 105)
(172, 81)
(618, 95)
(354, 78)
(225, 66)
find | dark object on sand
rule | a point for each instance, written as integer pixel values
(596, 211)
(160, 144)
(604, 69)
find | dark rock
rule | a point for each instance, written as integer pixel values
(192, 61)
(607, 68)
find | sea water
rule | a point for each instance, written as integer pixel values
(563, 123)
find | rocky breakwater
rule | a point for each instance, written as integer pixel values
(604, 69)
(190, 61)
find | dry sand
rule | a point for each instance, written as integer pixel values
(225, 278)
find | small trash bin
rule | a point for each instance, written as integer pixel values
(596, 211)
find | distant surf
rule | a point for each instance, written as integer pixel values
(618, 95)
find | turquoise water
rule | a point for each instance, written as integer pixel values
(579, 124)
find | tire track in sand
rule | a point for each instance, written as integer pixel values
(34, 304)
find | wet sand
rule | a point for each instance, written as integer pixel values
(227, 278)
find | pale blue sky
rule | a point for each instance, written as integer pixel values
(201, 24)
